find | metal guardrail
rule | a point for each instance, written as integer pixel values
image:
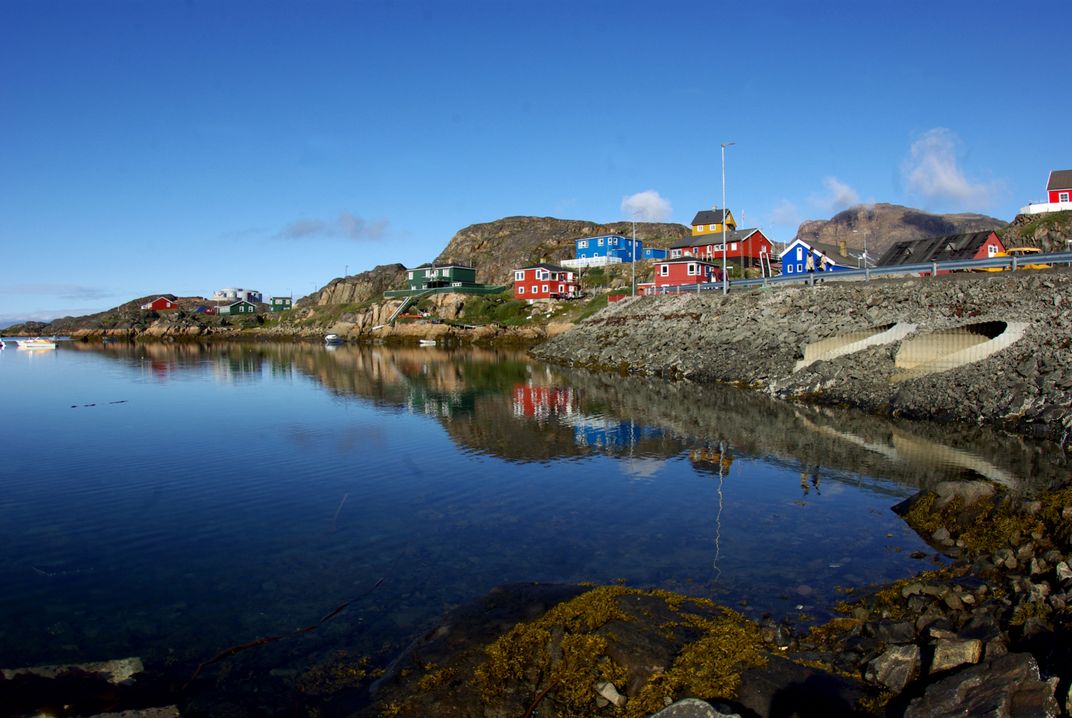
(923, 268)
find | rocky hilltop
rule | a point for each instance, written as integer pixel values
(359, 288)
(499, 247)
(883, 225)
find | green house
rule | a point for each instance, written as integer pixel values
(434, 276)
(281, 304)
(239, 307)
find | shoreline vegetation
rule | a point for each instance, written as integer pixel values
(990, 632)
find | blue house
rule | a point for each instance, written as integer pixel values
(795, 257)
(615, 248)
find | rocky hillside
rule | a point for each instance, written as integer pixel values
(883, 225)
(1049, 232)
(497, 248)
(359, 288)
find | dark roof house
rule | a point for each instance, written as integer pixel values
(938, 249)
(710, 216)
(1059, 179)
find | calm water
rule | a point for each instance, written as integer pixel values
(171, 502)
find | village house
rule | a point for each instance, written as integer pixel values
(281, 304)
(709, 221)
(239, 307)
(748, 246)
(972, 245)
(794, 258)
(434, 276)
(545, 281)
(679, 274)
(610, 249)
(1058, 194)
(161, 303)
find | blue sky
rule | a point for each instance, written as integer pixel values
(162, 146)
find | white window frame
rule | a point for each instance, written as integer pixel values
(664, 270)
(800, 253)
(691, 269)
(713, 227)
(519, 276)
(789, 269)
(600, 241)
(535, 289)
(1062, 197)
(521, 289)
(545, 289)
(733, 246)
(582, 244)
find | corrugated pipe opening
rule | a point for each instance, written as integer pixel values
(950, 348)
(852, 342)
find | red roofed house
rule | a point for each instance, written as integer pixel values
(545, 281)
(747, 245)
(678, 274)
(161, 303)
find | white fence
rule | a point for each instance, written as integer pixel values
(589, 262)
(1043, 207)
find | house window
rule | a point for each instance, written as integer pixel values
(535, 289)
(664, 270)
(789, 269)
(800, 253)
(991, 250)
(733, 246)
(545, 288)
(713, 227)
(520, 290)
(583, 244)
(519, 276)
(692, 269)
(411, 275)
(1063, 197)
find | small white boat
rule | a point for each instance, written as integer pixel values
(36, 343)
(427, 342)
(333, 339)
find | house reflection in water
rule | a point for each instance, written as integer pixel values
(610, 434)
(544, 402)
(715, 461)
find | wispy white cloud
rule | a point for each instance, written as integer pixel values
(648, 206)
(839, 196)
(932, 172)
(346, 226)
(785, 212)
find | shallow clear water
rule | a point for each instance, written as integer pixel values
(172, 501)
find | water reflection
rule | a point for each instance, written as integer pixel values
(500, 403)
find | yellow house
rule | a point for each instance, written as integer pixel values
(709, 221)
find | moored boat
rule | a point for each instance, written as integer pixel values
(333, 339)
(427, 342)
(36, 343)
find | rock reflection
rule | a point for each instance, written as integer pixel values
(501, 403)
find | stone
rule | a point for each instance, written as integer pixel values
(895, 668)
(952, 652)
(892, 631)
(1064, 572)
(967, 491)
(692, 708)
(607, 690)
(1005, 687)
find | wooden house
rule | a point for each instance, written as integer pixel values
(1059, 186)
(747, 245)
(545, 281)
(680, 273)
(161, 303)
(434, 276)
(239, 307)
(794, 258)
(972, 245)
(709, 221)
(281, 304)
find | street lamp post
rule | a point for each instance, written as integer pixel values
(725, 279)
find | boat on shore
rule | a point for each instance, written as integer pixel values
(427, 342)
(333, 340)
(36, 343)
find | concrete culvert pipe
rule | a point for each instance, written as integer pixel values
(852, 342)
(950, 348)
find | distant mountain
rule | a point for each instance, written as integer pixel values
(497, 248)
(882, 225)
(13, 322)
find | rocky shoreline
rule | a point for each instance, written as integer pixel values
(757, 338)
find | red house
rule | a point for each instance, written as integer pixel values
(680, 273)
(747, 244)
(545, 281)
(161, 303)
(1059, 187)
